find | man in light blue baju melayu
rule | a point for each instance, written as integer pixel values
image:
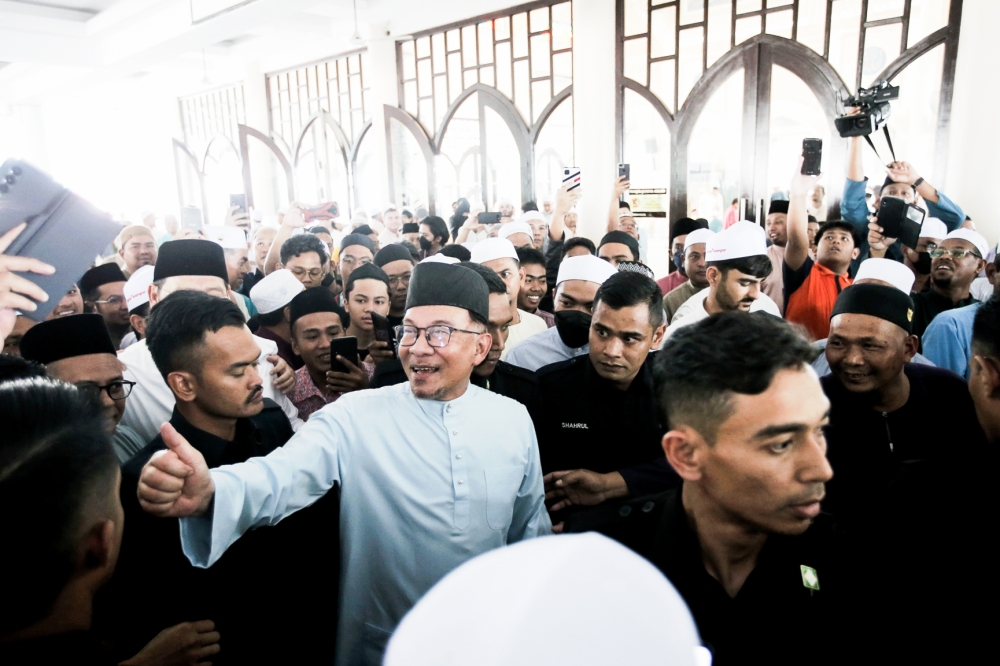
(431, 473)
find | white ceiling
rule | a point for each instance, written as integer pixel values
(56, 48)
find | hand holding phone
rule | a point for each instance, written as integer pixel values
(901, 220)
(383, 334)
(571, 176)
(812, 156)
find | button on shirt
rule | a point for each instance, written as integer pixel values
(542, 349)
(425, 485)
(151, 402)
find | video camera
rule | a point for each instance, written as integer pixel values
(874, 105)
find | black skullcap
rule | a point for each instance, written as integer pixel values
(66, 337)
(890, 181)
(620, 237)
(459, 252)
(310, 301)
(686, 225)
(190, 256)
(390, 253)
(635, 267)
(778, 206)
(363, 229)
(811, 219)
(411, 228)
(357, 239)
(367, 272)
(447, 284)
(99, 276)
(876, 300)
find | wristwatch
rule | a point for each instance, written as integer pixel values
(917, 182)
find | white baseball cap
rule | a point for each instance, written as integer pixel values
(275, 291)
(587, 268)
(493, 248)
(886, 270)
(933, 228)
(230, 238)
(136, 288)
(697, 236)
(743, 239)
(973, 237)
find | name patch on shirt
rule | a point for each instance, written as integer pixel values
(575, 426)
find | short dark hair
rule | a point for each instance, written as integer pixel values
(457, 251)
(529, 255)
(986, 328)
(176, 329)
(624, 204)
(366, 272)
(301, 244)
(702, 366)
(758, 265)
(493, 282)
(529, 205)
(626, 290)
(16, 367)
(580, 241)
(56, 453)
(838, 224)
(407, 214)
(272, 318)
(319, 229)
(413, 249)
(438, 227)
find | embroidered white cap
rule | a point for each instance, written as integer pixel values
(275, 291)
(587, 268)
(529, 216)
(886, 270)
(973, 237)
(743, 239)
(933, 228)
(136, 289)
(493, 248)
(697, 236)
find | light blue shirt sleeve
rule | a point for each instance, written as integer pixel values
(853, 208)
(531, 518)
(947, 211)
(948, 340)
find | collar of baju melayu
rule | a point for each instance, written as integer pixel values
(437, 408)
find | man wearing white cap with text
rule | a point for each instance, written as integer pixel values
(499, 254)
(694, 268)
(271, 297)
(576, 285)
(954, 265)
(137, 301)
(917, 259)
(737, 264)
(519, 233)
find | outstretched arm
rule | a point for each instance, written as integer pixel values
(621, 187)
(293, 220)
(797, 249)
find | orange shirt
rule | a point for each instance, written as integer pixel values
(810, 293)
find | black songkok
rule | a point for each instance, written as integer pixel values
(778, 206)
(99, 276)
(876, 300)
(684, 226)
(411, 228)
(620, 237)
(357, 239)
(190, 256)
(447, 284)
(66, 337)
(367, 272)
(392, 252)
(311, 301)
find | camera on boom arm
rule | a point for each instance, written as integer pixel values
(874, 110)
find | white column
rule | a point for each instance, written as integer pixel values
(594, 110)
(255, 101)
(973, 170)
(384, 91)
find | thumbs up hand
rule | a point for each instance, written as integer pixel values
(175, 483)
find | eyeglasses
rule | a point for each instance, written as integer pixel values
(436, 336)
(114, 300)
(955, 252)
(350, 261)
(301, 273)
(399, 279)
(116, 390)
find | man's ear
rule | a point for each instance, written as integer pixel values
(684, 449)
(184, 385)
(911, 346)
(138, 323)
(154, 295)
(991, 273)
(713, 275)
(658, 336)
(856, 253)
(99, 546)
(483, 344)
(989, 374)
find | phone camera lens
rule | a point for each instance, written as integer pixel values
(10, 179)
(17, 171)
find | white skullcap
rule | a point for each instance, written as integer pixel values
(258, 215)
(511, 228)
(440, 259)
(743, 239)
(136, 289)
(528, 217)
(493, 248)
(973, 237)
(886, 270)
(230, 238)
(504, 200)
(614, 608)
(275, 291)
(697, 236)
(933, 228)
(587, 268)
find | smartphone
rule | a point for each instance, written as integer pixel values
(326, 211)
(571, 175)
(191, 218)
(624, 170)
(383, 330)
(901, 220)
(489, 218)
(239, 200)
(812, 152)
(346, 347)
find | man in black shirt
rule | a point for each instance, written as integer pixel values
(599, 432)
(737, 540)
(208, 359)
(955, 263)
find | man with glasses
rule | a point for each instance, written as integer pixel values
(355, 250)
(917, 259)
(79, 350)
(306, 257)
(397, 262)
(103, 291)
(431, 473)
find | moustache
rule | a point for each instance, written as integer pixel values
(815, 493)
(258, 390)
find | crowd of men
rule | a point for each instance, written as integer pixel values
(258, 444)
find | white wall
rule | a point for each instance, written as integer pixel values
(973, 172)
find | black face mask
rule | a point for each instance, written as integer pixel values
(573, 327)
(923, 263)
(425, 244)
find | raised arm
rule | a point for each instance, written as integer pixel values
(565, 200)
(293, 220)
(797, 249)
(621, 187)
(938, 205)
